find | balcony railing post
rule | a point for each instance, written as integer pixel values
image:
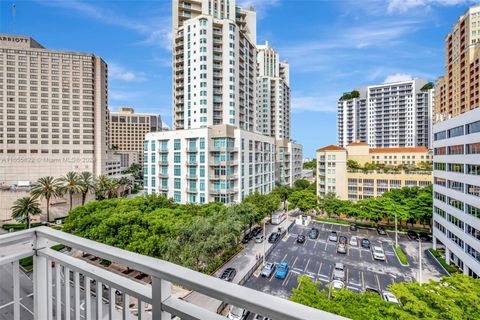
(16, 290)
(161, 291)
(40, 283)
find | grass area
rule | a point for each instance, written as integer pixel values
(27, 263)
(401, 255)
(19, 226)
(333, 221)
(438, 255)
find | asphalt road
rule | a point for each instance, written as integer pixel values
(316, 259)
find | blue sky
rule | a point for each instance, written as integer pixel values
(332, 46)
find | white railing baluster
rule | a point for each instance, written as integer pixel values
(141, 310)
(49, 290)
(126, 306)
(76, 286)
(161, 291)
(40, 280)
(99, 292)
(58, 291)
(111, 305)
(67, 293)
(88, 300)
(16, 290)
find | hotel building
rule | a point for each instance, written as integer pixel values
(53, 112)
(396, 169)
(390, 115)
(128, 130)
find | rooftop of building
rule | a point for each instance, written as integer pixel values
(358, 143)
(398, 150)
(331, 148)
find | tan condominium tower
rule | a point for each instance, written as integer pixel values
(458, 90)
(53, 111)
(128, 130)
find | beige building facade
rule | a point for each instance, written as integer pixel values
(128, 130)
(334, 175)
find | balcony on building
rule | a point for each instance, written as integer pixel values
(95, 292)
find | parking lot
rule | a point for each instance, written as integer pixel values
(316, 259)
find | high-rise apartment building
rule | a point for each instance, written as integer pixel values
(456, 203)
(396, 168)
(458, 90)
(214, 64)
(53, 112)
(128, 130)
(220, 152)
(390, 115)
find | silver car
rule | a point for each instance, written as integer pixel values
(378, 253)
(353, 241)
(339, 272)
(268, 270)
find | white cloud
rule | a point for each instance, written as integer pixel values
(155, 30)
(397, 77)
(118, 72)
(260, 6)
(314, 103)
(400, 6)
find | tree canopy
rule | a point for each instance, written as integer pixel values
(408, 203)
(455, 297)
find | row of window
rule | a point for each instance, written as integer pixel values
(469, 128)
(473, 169)
(472, 148)
(453, 237)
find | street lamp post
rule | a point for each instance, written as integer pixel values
(264, 239)
(419, 260)
(396, 231)
(287, 219)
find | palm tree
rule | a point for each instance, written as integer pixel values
(111, 190)
(24, 208)
(100, 187)
(71, 185)
(87, 183)
(46, 187)
(125, 184)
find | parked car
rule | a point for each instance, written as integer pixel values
(390, 297)
(268, 270)
(339, 272)
(274, 237)
(353, 241)
(378, 253)
(335, 286)
(342, 248)
(247, 238)
(333, 236)
(365, 243)
(260, 317)
(412, 235)
(313, 233)
(342, 239)
(282, 270)
(300, 238)
(372, 290)
(353, 227)
(259, 238)
(256, 231)
(381, 231)
(425, 236)
(237, 313)
(228, 274)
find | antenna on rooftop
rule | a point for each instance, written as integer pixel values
(14, 13)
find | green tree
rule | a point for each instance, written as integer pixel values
(305, 200)
(70, 184)
(265, 204)
(135, 170)
(353, 165)
(47, 188)
(283, 192)
(87, 184)
(24, 208)
(301, 184)
(310, 165)
(454, 297)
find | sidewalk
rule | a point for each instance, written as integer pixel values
(243, 262)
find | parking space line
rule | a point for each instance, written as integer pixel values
(285, 257)
(385, 253)
(316, 241)
(293, 264)
(286, 279)
(326, 244)
(346, 277)
(305, 270)
(319, 268)
(363, 280)
(378, 283)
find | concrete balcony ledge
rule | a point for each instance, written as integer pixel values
(93, 292)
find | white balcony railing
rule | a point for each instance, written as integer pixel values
(67, 286)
